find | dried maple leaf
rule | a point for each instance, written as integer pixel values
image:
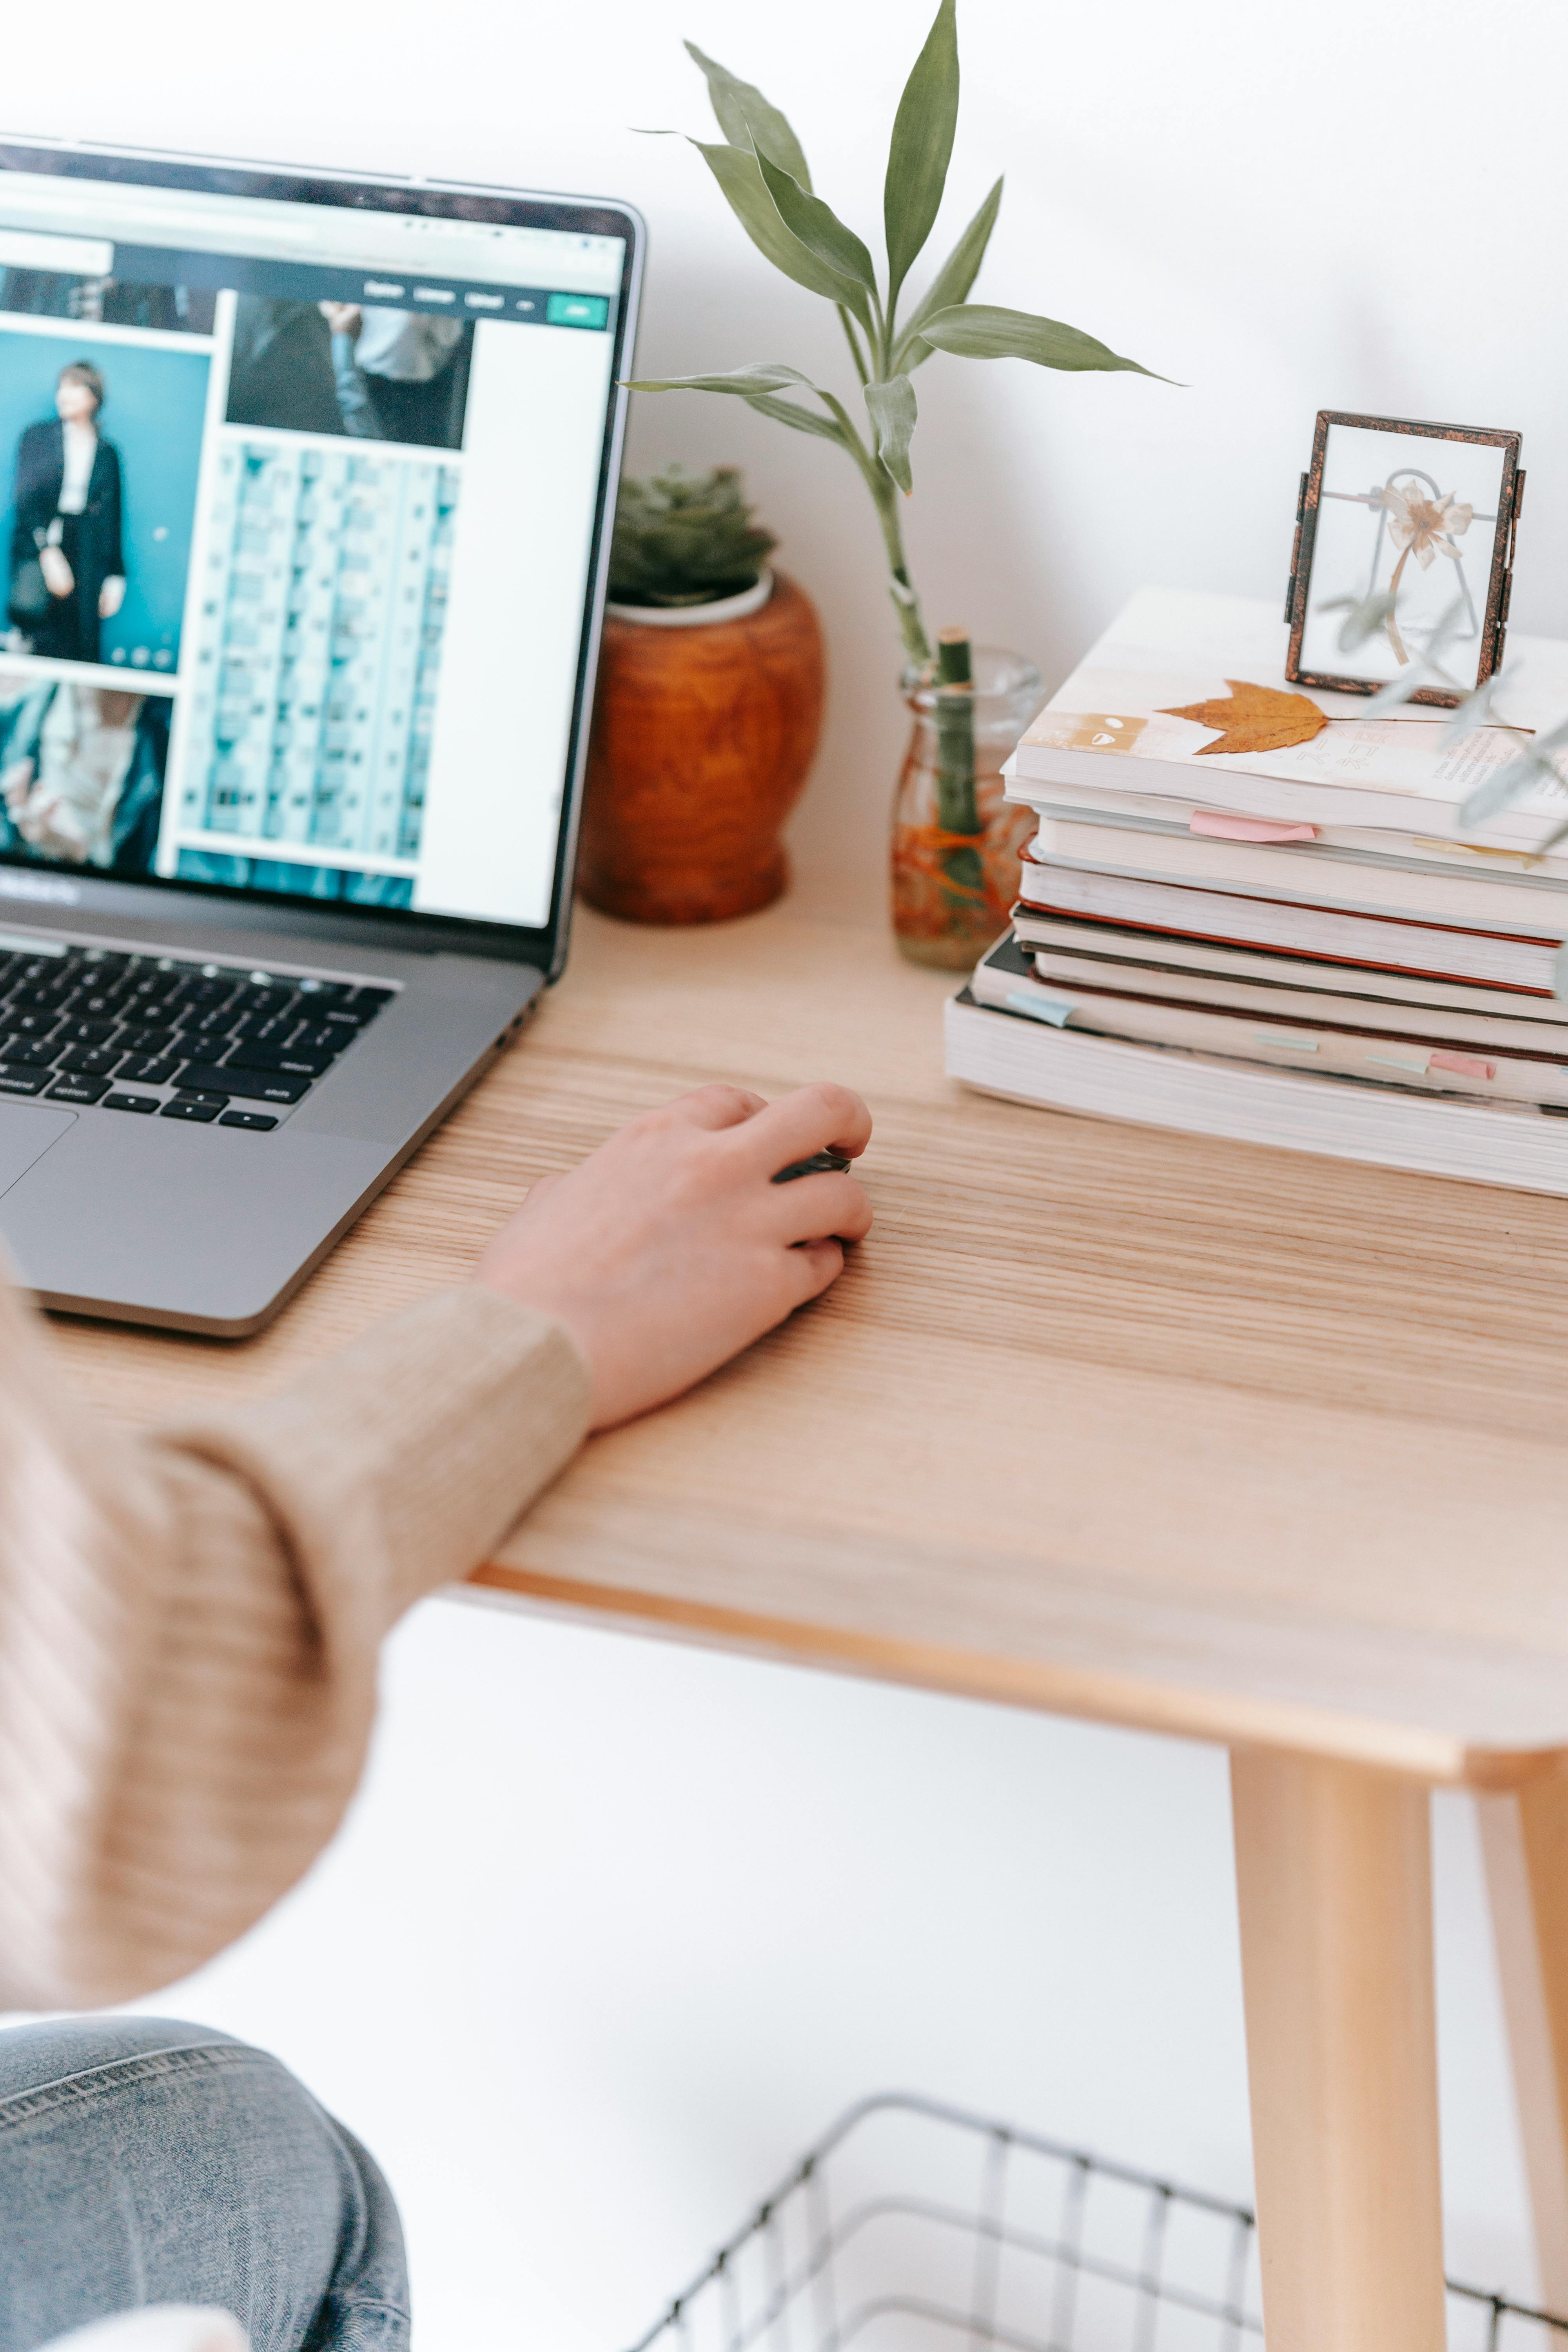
(1255, 719)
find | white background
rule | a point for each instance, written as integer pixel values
(618, 1927)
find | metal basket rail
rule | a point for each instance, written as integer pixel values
(913, 2225)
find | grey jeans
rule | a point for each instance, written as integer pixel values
(142, 2161)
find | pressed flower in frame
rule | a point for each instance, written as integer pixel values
(1441, 490)
(1423, 528)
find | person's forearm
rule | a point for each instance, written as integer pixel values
(189, 1622)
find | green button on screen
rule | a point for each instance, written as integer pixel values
(576, 310)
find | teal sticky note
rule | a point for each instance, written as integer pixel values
(1054, 1009)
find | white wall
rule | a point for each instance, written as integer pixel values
(617, 1929)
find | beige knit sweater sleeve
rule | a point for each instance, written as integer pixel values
(189, 1621)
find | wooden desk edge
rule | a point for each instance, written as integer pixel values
(1226, 1718)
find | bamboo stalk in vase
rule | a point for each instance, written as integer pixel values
(957, 809)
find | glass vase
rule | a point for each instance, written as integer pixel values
(955, 860)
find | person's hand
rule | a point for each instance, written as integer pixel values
(343, 319)
(110, 597)
(59, 577)
(670, 1249)
(16, 782)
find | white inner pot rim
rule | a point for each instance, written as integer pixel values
(698, 616)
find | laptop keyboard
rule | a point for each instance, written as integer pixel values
(156, 1037)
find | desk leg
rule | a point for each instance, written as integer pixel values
(1333, 1871)
(1524, 1837)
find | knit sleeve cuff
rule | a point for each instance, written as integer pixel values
(440, 1427)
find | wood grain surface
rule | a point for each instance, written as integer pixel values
(1333, 1873)
(1198, 1437)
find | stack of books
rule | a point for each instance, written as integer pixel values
(1249, 910)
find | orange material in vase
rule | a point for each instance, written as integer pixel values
(952, 892)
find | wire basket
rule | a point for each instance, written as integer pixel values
(911, 2226)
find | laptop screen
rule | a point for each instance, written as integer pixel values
(299, 503)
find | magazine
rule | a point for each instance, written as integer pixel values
(1186, 697)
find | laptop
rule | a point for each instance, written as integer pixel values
(304, 492)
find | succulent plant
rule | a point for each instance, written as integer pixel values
(685, 538)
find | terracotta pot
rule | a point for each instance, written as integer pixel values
(702, 738)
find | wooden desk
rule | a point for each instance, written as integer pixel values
(1197, 1437)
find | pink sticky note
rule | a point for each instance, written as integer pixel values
(1248, 828)
(1464, 1066)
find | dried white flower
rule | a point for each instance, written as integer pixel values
(1424, 527)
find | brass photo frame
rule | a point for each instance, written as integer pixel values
(1361, 613)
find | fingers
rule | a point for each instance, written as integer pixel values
(814, 1118)
(820, 1208)
(813, 1268)
(717, 1105)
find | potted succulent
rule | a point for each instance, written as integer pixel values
(709, 708)
(952, 867)
(683, 540)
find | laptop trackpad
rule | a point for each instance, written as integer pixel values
(26, 1135)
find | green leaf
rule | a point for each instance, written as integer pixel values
(739, 173)
(817, 225)
(746, 118)
(893, 413)
(921, 148)
(978, 330)
(758, 384)
(1529, 771)
(952, 280)
(804, 420)
(756, 376)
